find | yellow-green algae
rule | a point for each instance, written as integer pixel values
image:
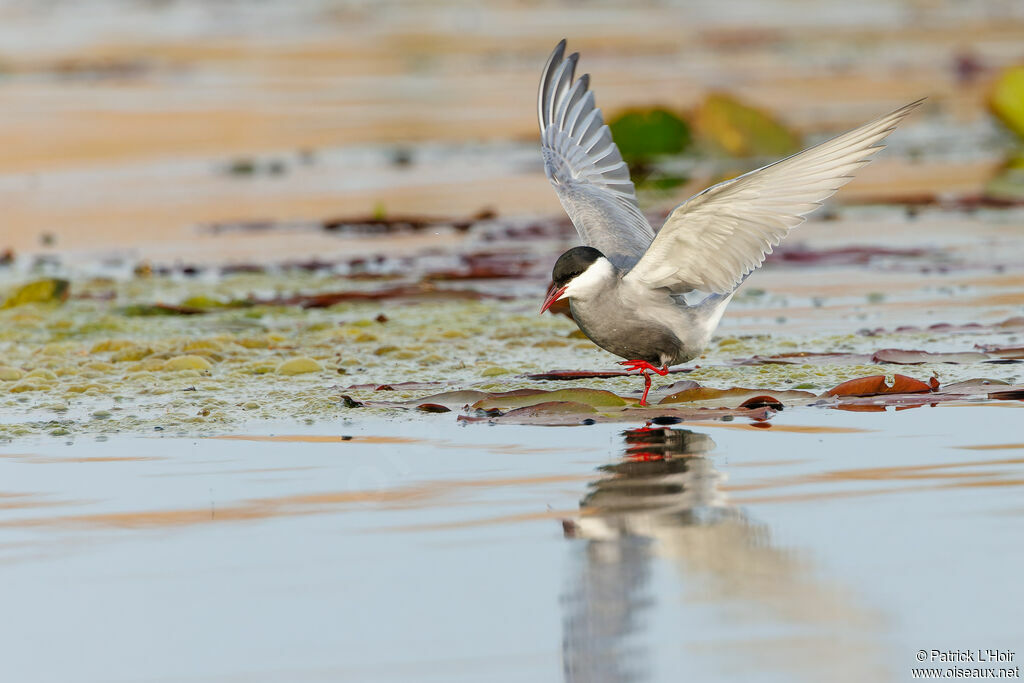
(94, 366)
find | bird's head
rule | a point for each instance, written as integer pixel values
(578, 273)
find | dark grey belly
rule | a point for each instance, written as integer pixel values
(630, 337)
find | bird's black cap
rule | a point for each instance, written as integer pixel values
(572, 263)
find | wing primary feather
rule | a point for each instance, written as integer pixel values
(584, 165)
(544, 95)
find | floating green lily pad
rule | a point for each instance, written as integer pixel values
(644, 134)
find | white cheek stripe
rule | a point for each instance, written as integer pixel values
(591, 281)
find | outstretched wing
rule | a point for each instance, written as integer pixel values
(585, 167)
(716, 238)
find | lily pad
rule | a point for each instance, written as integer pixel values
(594, 398)
(644, 134)
(877, 384)
(736, 397)
(1007, 99)
(466, 397)
(1006, 352)
(808, 358)
(47, 291)
(736, 129)
(902, 357)
(298, 366)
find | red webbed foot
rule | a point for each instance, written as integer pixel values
(644, 367)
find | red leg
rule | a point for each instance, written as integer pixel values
(643, 366)
(647, 387)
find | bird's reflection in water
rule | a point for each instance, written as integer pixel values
(663, 501)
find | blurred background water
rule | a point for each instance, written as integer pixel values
(128, 125)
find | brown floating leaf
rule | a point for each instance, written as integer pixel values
(979, 385)
(1012, 395)
(587, 397)
(763, 401)
(875, 385)
(433, 408)
(914, 357)
(465, 397)
(552, 408)
(1005, 352)
(861, 407)
(735, 397)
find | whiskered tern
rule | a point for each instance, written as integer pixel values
(626, 287)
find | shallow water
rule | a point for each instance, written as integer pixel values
(831, 546)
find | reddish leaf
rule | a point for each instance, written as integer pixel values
(764, 401)
(875, 385)
(433, 408)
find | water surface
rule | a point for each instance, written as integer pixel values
(831, 545)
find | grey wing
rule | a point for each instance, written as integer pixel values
(585, 167)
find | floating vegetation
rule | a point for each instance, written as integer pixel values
(190, 355)
(730, 127)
